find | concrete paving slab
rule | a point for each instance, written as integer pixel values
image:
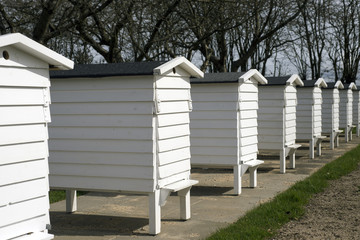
(112, 216)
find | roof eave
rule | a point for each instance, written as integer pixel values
(295, 80)
(321, 83)
(253, 73)
(183, 63)
(19, 41)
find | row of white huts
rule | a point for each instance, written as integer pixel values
(126, 128)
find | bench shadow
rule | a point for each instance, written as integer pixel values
(78, 224)
(205, 191)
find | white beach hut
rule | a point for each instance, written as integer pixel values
(330, 112)
(24, 115)
(308, 114)
(346, 110)
(124, 127)
(277, 117)
(356, 110)
(224, 123)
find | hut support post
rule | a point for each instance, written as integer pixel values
(358, 130)
(253, 176)
(185, 207)
(154, 213)
(237, 178)
(71, 203)
(311, 148)
(283, 160)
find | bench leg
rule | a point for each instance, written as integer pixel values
(283, 160)
(350, 134)
(154, 213)
(358, 130)
(237, 179)
(253, 176)
(311, 148)
(337, 140)
(71, 203)
(292, 160)
(185, 212)
(332, 141)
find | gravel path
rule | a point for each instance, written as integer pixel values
(333, 214)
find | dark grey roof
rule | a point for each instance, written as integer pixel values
(330, 84)
(276, 80)
(226, 77)
(346, 86)
(107, 70)
(309, 83)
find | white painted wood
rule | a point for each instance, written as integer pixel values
(277, 117)
(123, 133)
(356, 111)
(154, 213)
(224, 124)
(71, 202)
(24, 114)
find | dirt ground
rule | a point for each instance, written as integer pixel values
(333, 214)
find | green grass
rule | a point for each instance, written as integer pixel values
(59, 195)
(263, 221)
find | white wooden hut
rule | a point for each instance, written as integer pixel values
(277, 117)
(330, 112)
(224, 123)
(24, 115)
(125, 128)
(346, 110)
(308, 114)
(356, 110)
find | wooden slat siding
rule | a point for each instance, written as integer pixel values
(15, 193)
(20, 172)
(102, 128)
(10, 96)
(356, 106)
(101, 183)
(101, 133)
(346, 99)
(23, 152)
(101, 170)
(283, 121)
(31, 225)
(93, 145)
(271, 119)
(108, 120)
(34, 77)
(173, 137)
(15, 115)
(23, 211)
(213, 124)
(111, 158)
(305, 113)
(290, 116)
(22, 134)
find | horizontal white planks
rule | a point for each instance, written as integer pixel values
(214, 124)
(330, 110)
(356, 107)
(346, 108)
(24, 171)
(102, 130)
(277, 116)
(24, 113)
(173, 131)
(308, 113)
(24, 211)
(23, 134)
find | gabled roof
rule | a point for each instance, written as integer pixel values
(315, 83)
(127, 69)
(230, 77)
(285, 80)
(337, 84)
(35, 49)
(351, 86)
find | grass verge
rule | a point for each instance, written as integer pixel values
(263, 221)
(59, 195)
